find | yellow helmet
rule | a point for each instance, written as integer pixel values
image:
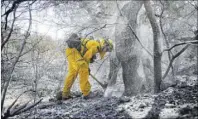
(108, 42)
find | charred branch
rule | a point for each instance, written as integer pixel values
(173, 58)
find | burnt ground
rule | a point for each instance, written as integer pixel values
(178, 97)
(178, 102)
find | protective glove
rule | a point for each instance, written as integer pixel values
(89, 71)
(93, 59)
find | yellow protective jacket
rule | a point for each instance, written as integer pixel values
(90, 48)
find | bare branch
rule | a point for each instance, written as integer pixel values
(14, 5)
(164, 35)
(11, 30)
(195, 6)
(139, 40)
(21, 109)
(15, 111)
(33, 2)
(179, 44)
(96, 30)
(17, 99)
(30, 106)
(173, 58)
(101, 65)
(34, 45)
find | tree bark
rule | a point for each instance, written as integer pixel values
(156, 47)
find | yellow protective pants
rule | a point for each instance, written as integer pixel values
(76, 67)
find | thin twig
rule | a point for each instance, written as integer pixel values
(101, 64)
(96, 30)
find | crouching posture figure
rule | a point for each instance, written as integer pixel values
(78, 62)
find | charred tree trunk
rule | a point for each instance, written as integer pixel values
(156, 48)
(114, 68)
(127, 51)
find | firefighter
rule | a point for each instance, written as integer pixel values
(78, 64)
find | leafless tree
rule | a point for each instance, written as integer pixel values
(16, 59)
(157, 50)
